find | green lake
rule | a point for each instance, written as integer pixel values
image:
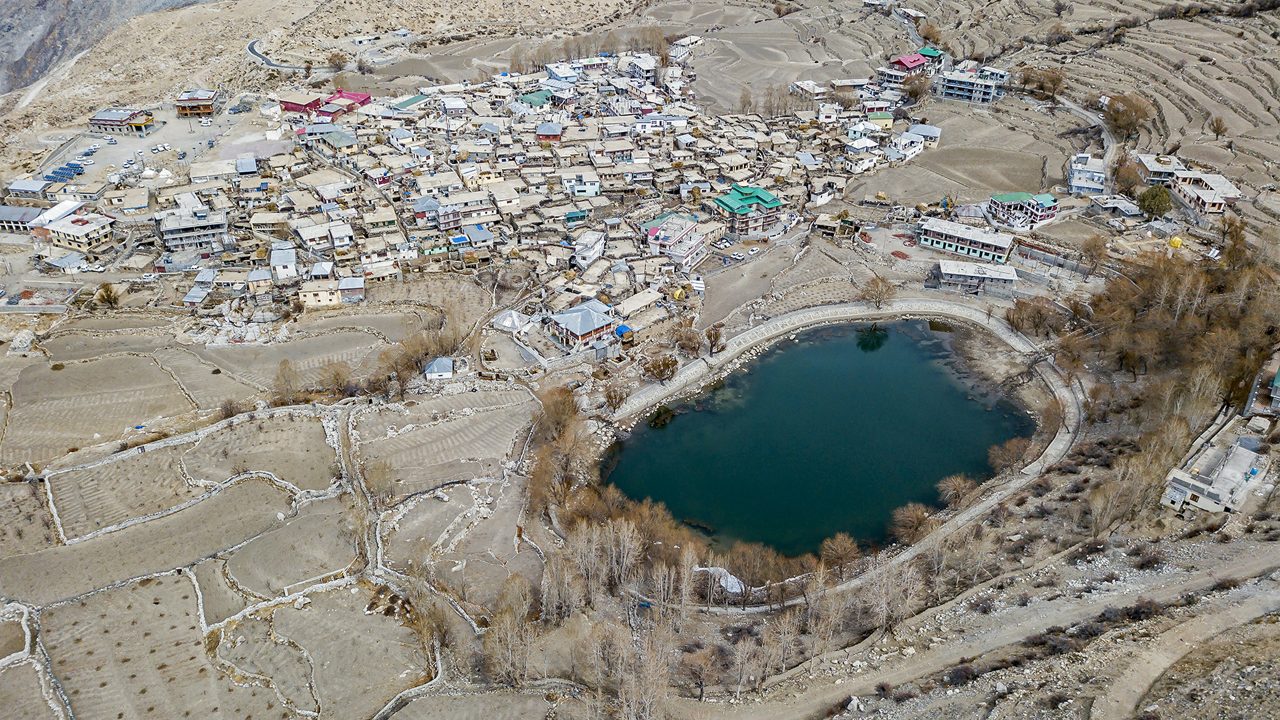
(825, 433)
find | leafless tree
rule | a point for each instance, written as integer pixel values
(585, 547)
(379, 480)
(747, 664)
(505, 648)
(911, 522)
(1009, 453)
(108, 295)
(615, 395)
(287, 384)
(1218, 126)
(877, 291)
(953, 489)
(715, 338)
(838, 551)
(623, 548)
(662, 368)
(336, 378)
(701, 668)
(780, 639)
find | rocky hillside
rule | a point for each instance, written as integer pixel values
(35, 35)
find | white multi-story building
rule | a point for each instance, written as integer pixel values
(974, 242)
(682, 238)
(1086, 175)
(1205, 193)
(983, 86)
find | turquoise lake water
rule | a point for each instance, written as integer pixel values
(823, 434)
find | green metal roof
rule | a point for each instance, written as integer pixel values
(880, 115)
(1046, 199)
(536, 99)
(742, 199)
(930, 52)
(410, 102)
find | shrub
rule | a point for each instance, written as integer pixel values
(960, 675)
(1143, 610)
(1226, 584)
(57, 366)
(1149, 558)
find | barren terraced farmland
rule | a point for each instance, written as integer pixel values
(85, 403)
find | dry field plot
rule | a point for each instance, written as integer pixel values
(73, 346)
(291, 447)
(85, 404)
(226, 519)
(20, 693)
(306, 547)
(137, 651)
(456, 293)
(394, 326)
(12, 638)
(253, 649)
(24, 524)
(220, 600)
(115, 323)
(257, 364)
(463, 447)
(341, 639)
(200, 382)
(111, 493)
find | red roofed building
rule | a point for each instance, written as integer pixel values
(341, 103)
(300, 102)
(910, 64)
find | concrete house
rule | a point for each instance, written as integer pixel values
(1216, 481)
(1086, 175)
(966, 240)
(579, 325)
(1159, 169)
(122, 121)
(1022, 210)
(976, 278)
(748, 212)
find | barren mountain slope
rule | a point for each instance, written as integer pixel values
(35, 35)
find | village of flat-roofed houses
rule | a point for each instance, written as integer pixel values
(312, 375)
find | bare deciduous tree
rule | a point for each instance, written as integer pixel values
(700, 668)
(877, 291)
(614, 396)
(953, 489)
(1008, 453)
(1218, 126)
(911, 522)
(662, 368)
(287, 384)
(715, 338)
(838, 551)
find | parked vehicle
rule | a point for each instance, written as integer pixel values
(182, 154)
(149, 277)
(739, 256)
(166, 147)
(753, 251)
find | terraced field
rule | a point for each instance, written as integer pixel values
(84, 404)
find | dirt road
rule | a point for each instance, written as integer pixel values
(1147, 666)
(993, 633)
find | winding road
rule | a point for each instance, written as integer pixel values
(252, 49)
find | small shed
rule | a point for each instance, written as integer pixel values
(439, 369)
